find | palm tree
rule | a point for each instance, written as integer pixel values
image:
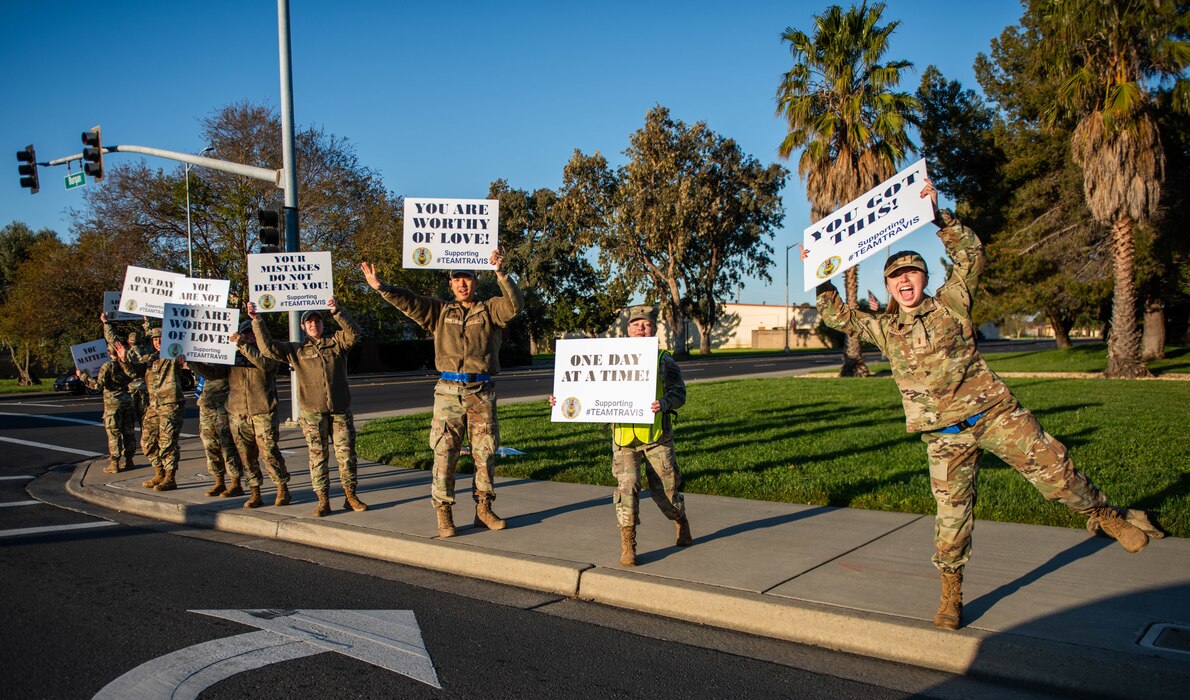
(1108, 56)
(845, 115)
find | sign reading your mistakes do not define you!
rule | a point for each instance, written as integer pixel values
(290, 281)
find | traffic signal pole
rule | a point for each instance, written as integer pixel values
(289, 168)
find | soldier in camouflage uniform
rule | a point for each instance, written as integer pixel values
(653, 444)
(117, 409)
(137, 390)
(162, 422)
(324, 398)
(960, 406)
(467, 334)
(252, 411)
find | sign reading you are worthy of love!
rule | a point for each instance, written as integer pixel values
(290, 281)
(89, 357)
(201, 333)
(882, 215)
(605, 380)
(146, 291)
(445, 234)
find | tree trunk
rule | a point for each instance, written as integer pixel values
(1153, 340)
(853, 356)
(1061, 328)
(24, 375)
(532, 345)
(1123, 346)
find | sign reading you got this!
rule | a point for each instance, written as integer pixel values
(441, 234)
(605, 380)
(290, 281)
(890, 211)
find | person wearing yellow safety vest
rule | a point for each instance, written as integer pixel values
(653, 444)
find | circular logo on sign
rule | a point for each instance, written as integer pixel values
(422, 256)
(828, 267)
(571, 408)
(131, 305)
(267, 302)
(175, 349)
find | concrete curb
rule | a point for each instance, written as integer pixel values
(994, 655)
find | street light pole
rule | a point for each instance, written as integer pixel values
(189, 238)
(787, 295)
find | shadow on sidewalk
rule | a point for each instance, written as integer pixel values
(763, 523)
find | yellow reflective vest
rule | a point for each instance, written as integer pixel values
(624, 433)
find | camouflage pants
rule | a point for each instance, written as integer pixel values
(140, 402)
(256, 437)
(1013, 434)
(661, 471)
(214, 430)
(321, 429)
(119, 424)
(457, 415)
(160, 429)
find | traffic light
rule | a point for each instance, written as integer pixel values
(28, 169)
(93, 154)
(272, 228)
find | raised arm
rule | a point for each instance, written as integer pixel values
(276, 350)
(422, 310)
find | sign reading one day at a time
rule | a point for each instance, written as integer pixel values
(111, 306)
(890, 211)
(201, 333)
(147, 291)
(89, 357)
(290, 281)
(443, 234)
(605, 380)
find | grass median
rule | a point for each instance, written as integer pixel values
(842, 442)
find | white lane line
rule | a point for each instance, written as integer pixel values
(14, 478)
(80, 421)
(765, 364)
(44, 446)
(54, 528)
(19, 503)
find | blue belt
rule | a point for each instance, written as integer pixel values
(461, 377)
(962, 425)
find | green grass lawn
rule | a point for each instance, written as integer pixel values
(9, 386)
(1091, 357)
(842, 442)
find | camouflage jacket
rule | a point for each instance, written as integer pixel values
(466, 340)
(137, 347)
(319, 365)
(941, 375)
(114, 383)
(252, 381)
(162, 377)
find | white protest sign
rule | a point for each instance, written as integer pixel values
(146, 291)
(111, 306)
(443, 234)
(605, 380)
(201, 292)
(290, 281)
(200, 333)
(889, 211)
(89, 357)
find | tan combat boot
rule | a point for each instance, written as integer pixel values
(324, 504)
(950, 610)
(233, 489)
(484, 515)
(685, 539)
(112, 468)
(446, 523)
(628, 546)
(255, 501)
(1130, 537)
(217, 489)
(350, 501)
(158, 477)
(282, 495)
(168, 483)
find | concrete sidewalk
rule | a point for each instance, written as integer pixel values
(1047, 606)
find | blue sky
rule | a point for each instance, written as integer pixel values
(439, 98)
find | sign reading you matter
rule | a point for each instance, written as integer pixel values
(605, 380)
(290, 281)
(89, 357)
(201, 333)
(888, 212)
(444, 234)
(147, 291)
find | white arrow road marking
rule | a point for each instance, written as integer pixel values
(389, 639)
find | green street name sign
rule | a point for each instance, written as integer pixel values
(74, 180)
